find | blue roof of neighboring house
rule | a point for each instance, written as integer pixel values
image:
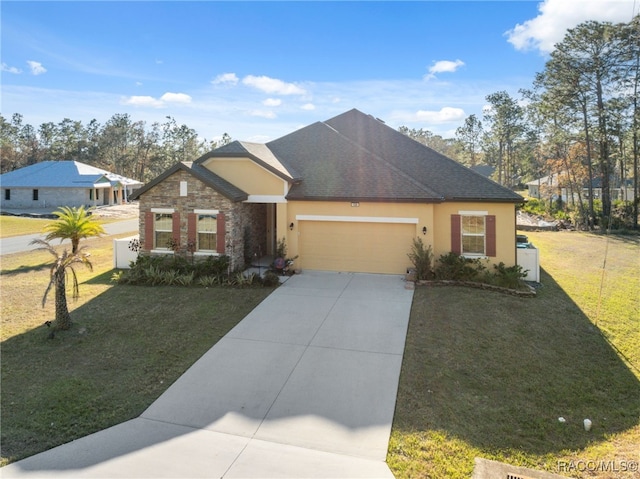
(62, 174)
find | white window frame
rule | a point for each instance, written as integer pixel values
(156, 212)
(206, 252)
(469, 214)
(199, 216)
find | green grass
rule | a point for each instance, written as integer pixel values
(127, 345)
(484, 374)
(19, 225)
(488, 375)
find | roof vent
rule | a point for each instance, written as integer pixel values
(381, 121)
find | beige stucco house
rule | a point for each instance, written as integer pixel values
(346, 194)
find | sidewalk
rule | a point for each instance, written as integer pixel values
(304, 386)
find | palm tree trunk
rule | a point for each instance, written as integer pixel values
(63, 318)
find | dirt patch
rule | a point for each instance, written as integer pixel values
(527, 222)
(129, 210)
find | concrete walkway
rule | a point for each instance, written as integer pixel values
(304, 386)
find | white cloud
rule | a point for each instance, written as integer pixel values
(149, 101)
(225, 79)
(272, 102)
(308, 107)
(443, 66)
(175, 98)
(143, 101)
(556, 16)
(36, 67)
(8, 69)
(446, 114)
(272, 85)
(263, 114)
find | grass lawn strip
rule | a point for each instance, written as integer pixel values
(488, 375)
(19, 225)
(128, 344)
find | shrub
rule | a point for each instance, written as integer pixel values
(185, 279)
(622, 215)
(208, 281)
(282, 264)
(508, 276)
(421, 258)
(535, 206)
(452, 266)
(173, 269)
(270, 279)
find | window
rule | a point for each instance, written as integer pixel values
(473, 235)
(35, 195)
(7, 194)
(163, 230)
(207, 232)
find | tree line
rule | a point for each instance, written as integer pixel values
(121, 145)
(579, 120)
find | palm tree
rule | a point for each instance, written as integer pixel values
(74, 224)
(58, 280)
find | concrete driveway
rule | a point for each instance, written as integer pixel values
(304, 386)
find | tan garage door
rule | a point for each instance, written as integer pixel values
(355, 247)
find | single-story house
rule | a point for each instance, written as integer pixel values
(50, 184)
(346, 194)
(556, 185)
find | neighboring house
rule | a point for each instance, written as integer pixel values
(548, 187)
(50, 184)
(555, 186)
(346, 194)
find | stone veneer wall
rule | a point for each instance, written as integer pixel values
(243, 221)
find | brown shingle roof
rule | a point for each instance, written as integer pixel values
(354, 156)
(450, 179)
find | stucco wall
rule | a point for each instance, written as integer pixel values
(247, 175)
(436, 217)
(505, 228)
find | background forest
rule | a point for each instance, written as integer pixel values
(579, 121)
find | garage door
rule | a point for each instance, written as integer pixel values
(355, 247)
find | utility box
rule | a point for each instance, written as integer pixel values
(123, 253)
(528, 257)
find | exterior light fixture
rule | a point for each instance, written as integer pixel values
(291, 226)
(424, 230)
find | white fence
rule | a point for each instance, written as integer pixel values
(529, 259)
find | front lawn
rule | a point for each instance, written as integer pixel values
(484, 374)
(488, 375)
(128, 344)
